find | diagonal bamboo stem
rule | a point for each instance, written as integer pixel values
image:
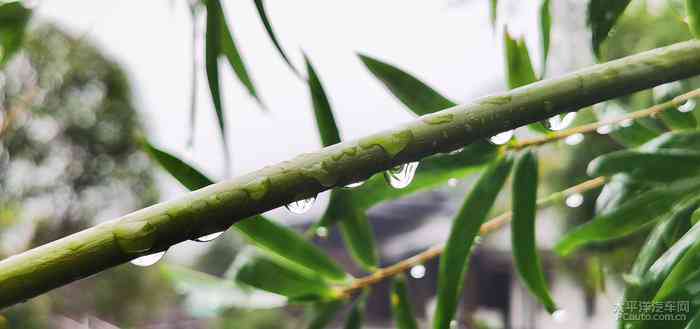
(217, 207)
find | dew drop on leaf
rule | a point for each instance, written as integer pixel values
(575, 200)
(402, 175)
(604, 130)
(687, 107)
(355, 184)
(209, 237)
(322, 232)
(574, 139)
(559, 316)
(452, 182)
(501, 138)
(559, 122)
(417, 272)
(148, 260)
(301, 206)
(457, 151)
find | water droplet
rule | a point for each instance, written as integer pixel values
(209, 237)
(478, 240)
(688, 106)
(457, 151)
(559, 122)
(626, 123)
(574, 200)
(454, 324)
(148, 260)
(402, 175)
(355, 184)
(604, 130)
(301, 206)
(501, 138)
(574, 139)
(322, 232)
(417, 272)
(559, 316)
(452, 182)
(438, 118)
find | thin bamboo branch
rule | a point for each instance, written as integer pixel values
(489, 227)
(217, 207)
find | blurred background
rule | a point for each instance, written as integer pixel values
(94, 73)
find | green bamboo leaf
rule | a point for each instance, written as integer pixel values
(689, 140)
(662, 165)
(664, 235)
(401, 308)
(545, 31)
(358, 235)
(523, 237)
(420, 98)
(189, 177)
(260, 6)
(325, 121)
(519, 71)
(357, 313)
(684, 267)
(258, 270)
(229, 50)
(493, 12)
(277, 240)
(323, 313)
(287, 245)
(208, 296)
(211, 62)
(695, 217)
(630, 217)
(692, 9)
(454, 262)
(694, 323)
(602, 15)
(13, 21)
(620, 189)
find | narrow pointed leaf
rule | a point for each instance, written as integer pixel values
(420, 98)
(664, 235)
(279, 241)
(257, 270)
(211, 62)
(322, 108)
(13, 21)
(545, 31)
(189, 177)
(689, 140)
(260, 6)
(401, 308)
(692, 9)
(229, 50)
(323, 313)
(519, 71)
(662, 165)
(493, 12)
(454, 262)
(359, 238)
(602, 15)
(208, 296)
(630, 217)
(527, 261)
(357, 313)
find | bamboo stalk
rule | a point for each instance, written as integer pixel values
(216, 207)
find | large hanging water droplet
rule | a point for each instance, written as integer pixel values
(501, 138)
(687, 107)
(401, 176)
(355, 184)
(148, 260)
(301, 206)
(559, 122)
(417, 272)
(209, 237)
(575, 200)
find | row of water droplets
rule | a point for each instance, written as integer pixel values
(555, 123)
(148, 260)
